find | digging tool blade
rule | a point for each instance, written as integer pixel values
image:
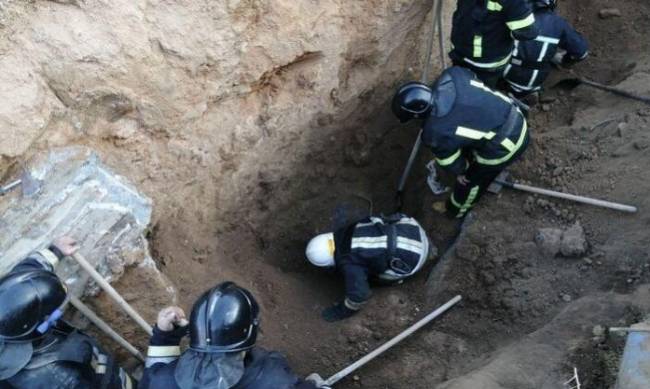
(496, 185)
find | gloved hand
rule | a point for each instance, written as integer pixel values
(337, 312)
(318, 381)
(66, 245)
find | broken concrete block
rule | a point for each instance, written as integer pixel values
(81, 198)
(574, 243)
(548, 241)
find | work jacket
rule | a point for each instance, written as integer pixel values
(482, 31)
(262, 369)
(531, 60)
(471, 122)
(65, 358)
(388, 249)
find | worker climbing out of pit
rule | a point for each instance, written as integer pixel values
(473, 131)
(39, 350)
(386, 250)
(483, 33)
(223, 328)
(532, 60)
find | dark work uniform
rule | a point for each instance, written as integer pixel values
(482, 34)
(531, 60)
(65, 358)
(263, 369)
(387, 249)
(474, 131)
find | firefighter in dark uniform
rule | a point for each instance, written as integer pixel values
(38, 350)
(483, 33)
(382, 249)
(223, 329)
(532, 60)
(473, 131)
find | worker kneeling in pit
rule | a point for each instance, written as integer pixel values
(386, 250)
(473, 131)
(223, 329)
(38, 350)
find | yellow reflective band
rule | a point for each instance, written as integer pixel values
(478, 46)
(498, 161)
(127, 384)
(470, 201)
(494, 6)
(352, 305)
(163, 351)
(454, 202)
(508, 144)
(449, 160)
(490, 65)
(500, 95)
(517, 24)
(474, 134)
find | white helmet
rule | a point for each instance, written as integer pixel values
(320, 250)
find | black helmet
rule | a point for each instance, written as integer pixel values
(540, 4)
(224, 319)
(30, 302)
(413, 100)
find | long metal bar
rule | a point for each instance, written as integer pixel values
(381, 349)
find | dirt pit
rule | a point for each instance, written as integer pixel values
(527, 317)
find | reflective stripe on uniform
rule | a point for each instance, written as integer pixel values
(500, 95)
(449, 160)
(474, 134)
(521, 23)
(478, 46)
(490, 65)
(512, 150)
(469, 202)
(163, 351)
(126, 380)
(494, 6)
(409, 245)
(352, 305)
(49, 256)
(369, 242)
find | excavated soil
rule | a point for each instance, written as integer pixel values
(585, 142)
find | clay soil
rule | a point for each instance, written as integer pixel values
(585, 142)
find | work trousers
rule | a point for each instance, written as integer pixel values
(480, 177)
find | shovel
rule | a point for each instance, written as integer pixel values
(31, 186)
(576, 80)
(502, 180)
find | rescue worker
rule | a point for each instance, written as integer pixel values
(223, 329)
(483, 33)
(38, 350)
(473, 131)
(532, 60)
(382, 249)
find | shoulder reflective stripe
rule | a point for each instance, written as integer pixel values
(449, 160)
(352, 305)
(474, 134)
(494, 6)
(498, 161)
(409, 245)
(163, 351)
(478, 46)
(480, 85)
(425, 251)
(50, 257)
(508, 144)
(547, 39)
(377, 242)
(490, 65)
(521, 23)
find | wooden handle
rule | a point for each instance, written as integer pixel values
(377, 352)
(99, 323)
(112, 292)
(579, 199)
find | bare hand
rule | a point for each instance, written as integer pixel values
(66, 245)
(170, 317)
(462, 180)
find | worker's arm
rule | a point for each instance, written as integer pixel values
(164, 345)
(575, 45)
(520, 19)
(49, 258)
(357, 292)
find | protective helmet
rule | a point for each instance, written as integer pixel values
(540, 4)
(412, 100)
(320, 250)
(30, 302)
(224, 319)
